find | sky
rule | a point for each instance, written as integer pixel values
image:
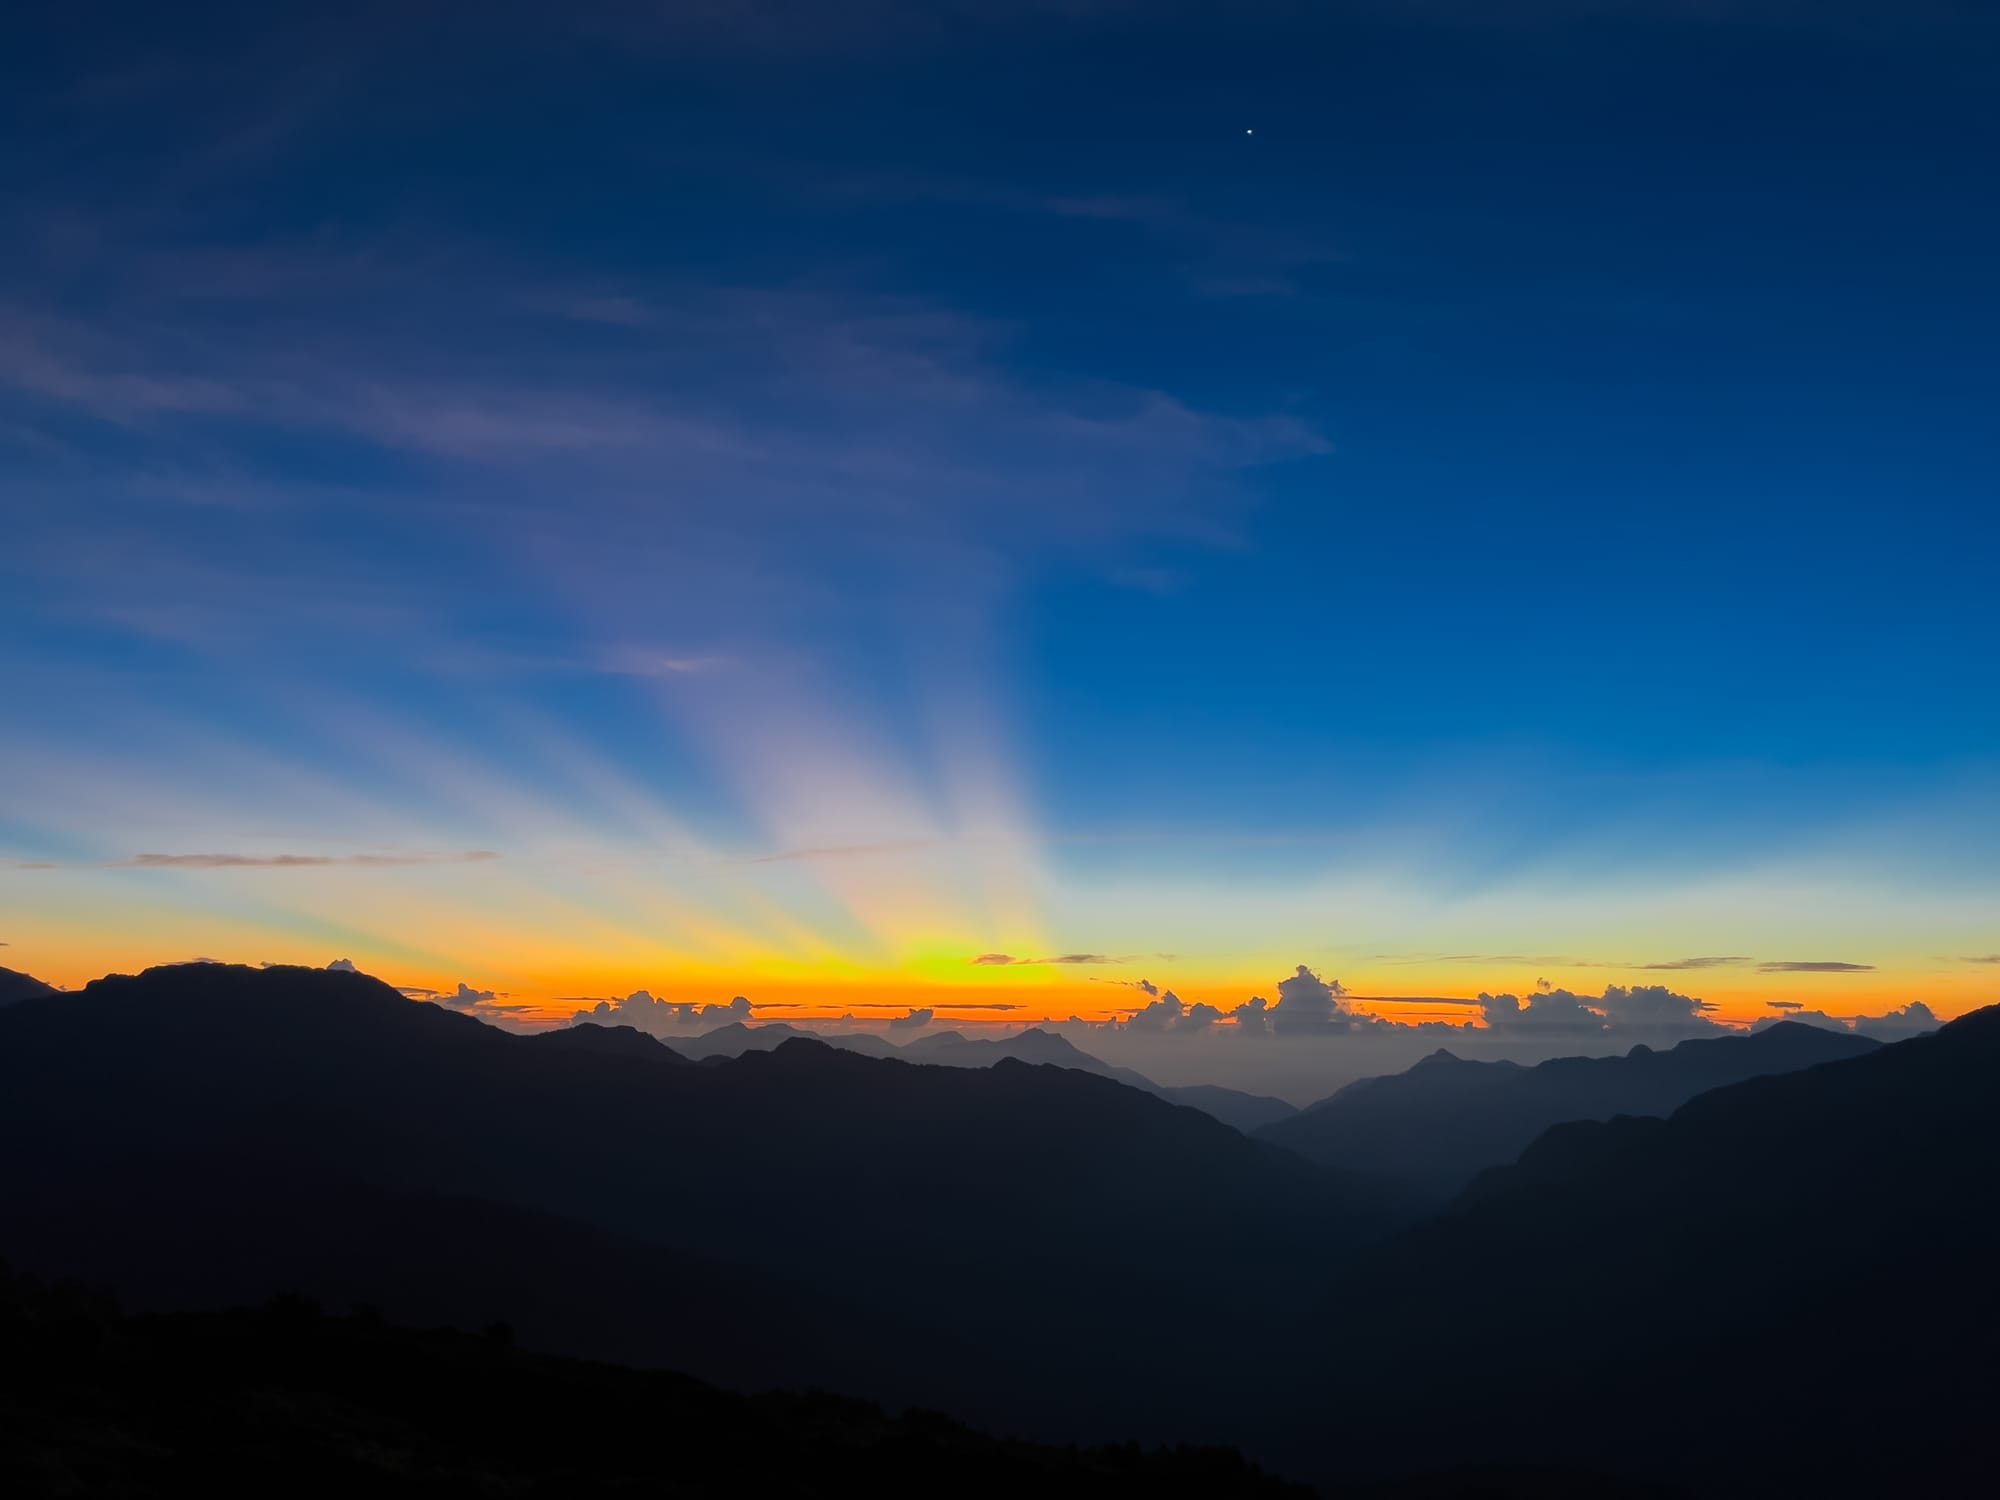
(1006, 510)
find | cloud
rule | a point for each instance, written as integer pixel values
(1546, 1010)
(1813, 966)
(1063, 958)
(662, 1017)
(1565, 961)
(1984, 958)
(1145, 986)
(1162, 1014)
(1200, 1016)
(635, 662)
(1642, 1011)
(295, 861)
(916, 1020)
(343, 966)
(1913, 1019)
(1910, 1020)
(1253, 1015)
(1308, 1004)
(467, 998)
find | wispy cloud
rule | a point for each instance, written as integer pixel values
(635, 662)
(293, 861)
(1813, 966)
(1061, 958)
(847, 851)
(1984, 958)
(1566, 961)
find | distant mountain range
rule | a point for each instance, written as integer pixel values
(1784, 1285)
(210, 1133)
(1247, 1112)
(1435, 1126)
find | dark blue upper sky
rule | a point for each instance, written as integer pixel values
(1558, 425)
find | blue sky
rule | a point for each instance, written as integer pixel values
(1156, 456)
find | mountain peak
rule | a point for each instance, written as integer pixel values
(15, 985)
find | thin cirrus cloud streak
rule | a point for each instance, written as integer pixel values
(996, 960)
(1814, 966)
(265, 861)
(297, 861)
(1564, 961)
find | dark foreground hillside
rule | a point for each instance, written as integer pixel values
(1786, 1287)
(285, 1401)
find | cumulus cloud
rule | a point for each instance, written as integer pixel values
(1813, 966)
(1162, 1014)
(1640, 1011)
(1910, 1020)
(1200, 1015)
(343, 966)
(1253, 1015)
(1913, 1019)
(467, 998)
(1308, 1004)
(916, 1020)
(661, 1017)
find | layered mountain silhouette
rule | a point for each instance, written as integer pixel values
(1784, 1285)
(205, 1131)
(1247, 1112)
(1787, 1286)
(735, 1039)
(15, 985)
(1435, 1126)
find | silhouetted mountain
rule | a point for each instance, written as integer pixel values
(1246, 1112)
(1249, 1113)
(925, 1048)
(612, 1041)
(18, 986)
(1785, 1287)
(288, 1401)
(1435, 1126)
(997, 1204)
(735, 1039)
